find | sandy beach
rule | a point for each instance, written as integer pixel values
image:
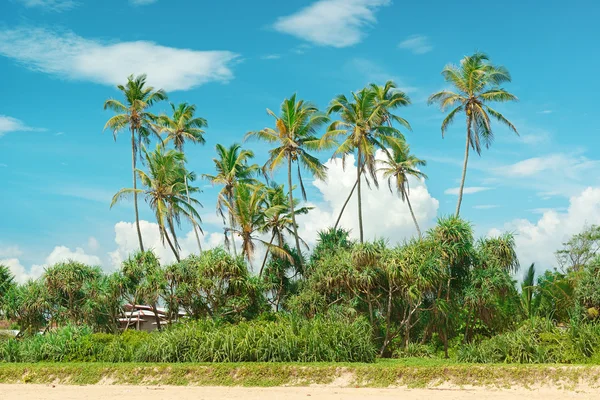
(104, 392)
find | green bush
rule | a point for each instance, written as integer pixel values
(283, 339)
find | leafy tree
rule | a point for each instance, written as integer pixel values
(134, 116)
(28, 305)
(476, 83)
(528, 291)
(295, 134)
(365, 124)
(166, 192)
(184, 127)
(398, 166)
(579, 250)
(7, 282)
(232, 167)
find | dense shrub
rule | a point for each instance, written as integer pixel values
(285, 339)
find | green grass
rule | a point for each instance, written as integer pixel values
(408, 372)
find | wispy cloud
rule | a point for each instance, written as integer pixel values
(73, 57)
(375, 73)
(142, 2)
(271, 57)
(10, 124)
(545, 112)
(417, 44)
(335, 23)
(485, 206)
(467, 190)
(50, 5)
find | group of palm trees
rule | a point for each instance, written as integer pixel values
(359, 124)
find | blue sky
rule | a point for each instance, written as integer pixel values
(61, 59)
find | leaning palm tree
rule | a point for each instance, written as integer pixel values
(398, 166)
(165, 192)
(277, 217)
(295, 135)
(365, 120)
(249, 215)
(184, 127)
(477, 83)
(232, 167)
(134, 115)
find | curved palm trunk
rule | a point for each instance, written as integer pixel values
(464, 173)
(135, 197)
(345, 204)
(195, 225)
(412, 213)
(262, 267)
(171, 245)
(358, 173)
(232, 234)
(292, 212)
(156, 317)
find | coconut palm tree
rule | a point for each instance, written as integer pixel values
(365, 120)
(232, 167)
(134, 116)
(278, 220)
(398, 166)
(184, 127)
(295, 135)
(476, 83)
(247, 209)
(165, 192)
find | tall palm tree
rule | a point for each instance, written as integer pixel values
(134, 115)
(398, 166)
(247, 209)
(277, 216)
(476, 83)
(365, 120)
(165, 192)
(232, 167)
(295, 134)
(184, 127)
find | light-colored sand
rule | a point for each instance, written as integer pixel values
(103, 392)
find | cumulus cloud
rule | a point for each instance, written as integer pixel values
(417, 44)
(50, 5)
(384, 213)
(335, 23)
(538, 241)
(467, 190)
(70, 56)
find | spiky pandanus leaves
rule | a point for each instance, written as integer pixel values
(134, 115)
(476, 83)
(295, 136)
(365, 125)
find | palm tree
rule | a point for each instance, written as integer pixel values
(232, 167)
(476, 82)
(277, 219)
(249, 216)
(398, 166)
(295, 134)
(165, 192)
(184, 127)
(134, 115)
(366, 122)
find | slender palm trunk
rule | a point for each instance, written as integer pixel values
(345, 204)
(232, 234)
(464, 173)
(358, 176)
(262, 267)
(156, 317)
(195, 225)
(412, 213)
(135, 197)
(171, 245)
(292, 213)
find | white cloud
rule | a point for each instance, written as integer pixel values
(93, 244)
(142, 2)
(384, 213)
(485, 206)
(546, 112)
(336, 23)
(375, 73)
(10, 251)
(271, 57)
(50, 5)
(466, 190)
(10, 124)
(21, 273)
(73, 57)
(538, 241)
(417, 44)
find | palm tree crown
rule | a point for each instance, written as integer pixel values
(184, 126)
